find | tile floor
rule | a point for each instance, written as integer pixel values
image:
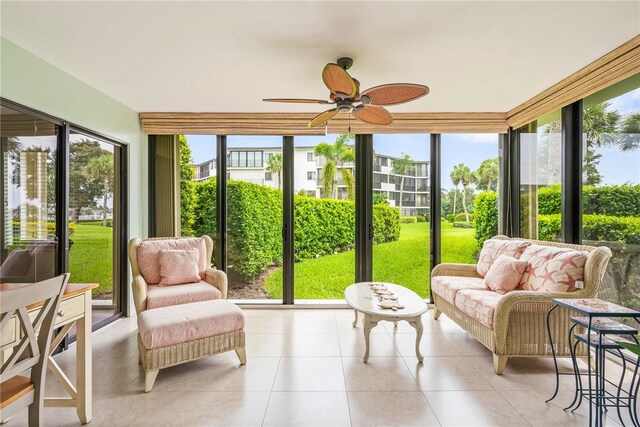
(305, 369)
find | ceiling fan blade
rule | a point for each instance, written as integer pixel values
(373, 114)
(394, 93)
(323, 117)
(338, 80)
(298, 100)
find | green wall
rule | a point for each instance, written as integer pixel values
(33, 82)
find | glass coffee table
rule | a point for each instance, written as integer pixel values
(361, 298)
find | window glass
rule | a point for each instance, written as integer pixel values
(540, 178)
(611, 186)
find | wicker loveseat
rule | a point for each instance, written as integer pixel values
(518, 319)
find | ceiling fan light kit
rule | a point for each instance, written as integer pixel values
(345, 95)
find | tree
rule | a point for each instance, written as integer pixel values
(630, 133)
(487, 175)
(600, 126)
(455, 179)
(84, 190)
(402, 166)
(274, 165)
(336, 155)
(100, 169)
(187, 188)
(462, 175)
(380, 199)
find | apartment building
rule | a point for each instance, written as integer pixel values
(251, 165)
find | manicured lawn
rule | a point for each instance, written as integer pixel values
(91, 256)
(405, 262)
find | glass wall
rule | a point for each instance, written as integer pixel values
(469, 209)
(324, 216)
(401, 192)
(92, 223)
(611, 185)
(540, 178)
(28, 164)
(254, 217)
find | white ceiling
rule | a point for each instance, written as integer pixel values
(226, 56)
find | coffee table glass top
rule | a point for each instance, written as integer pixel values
(360, 297)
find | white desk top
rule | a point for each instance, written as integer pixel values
(361, 298)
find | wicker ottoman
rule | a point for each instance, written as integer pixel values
(169, 336)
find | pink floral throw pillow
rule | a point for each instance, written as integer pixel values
(505, 274)
(493, 248)
(552, 269)
(178, 266)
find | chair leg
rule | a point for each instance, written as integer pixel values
(149, 379)
(499, 362)
(436, 313)
(242, 355)
(35, 413)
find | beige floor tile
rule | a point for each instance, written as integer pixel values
(353, 345)
(443, 325)
(402, 327)
(312, 322)
(430, 345)
(344, 323)
(466, 345)
(264, 345)
(473, 408)
(390, 408)
(311, 345)
(309, 374)
(224, 409)
(380, 373)
(446, 374)
(300, 409)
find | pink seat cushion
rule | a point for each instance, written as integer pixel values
(177, 324)
(479, 304)
(448, 286)
(505, 274)
(149, 256)
(164, 296)
(493, 248)
(552, 269)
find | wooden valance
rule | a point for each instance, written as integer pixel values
(611, 68)
(296, 123)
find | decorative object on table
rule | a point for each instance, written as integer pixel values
(389, 304)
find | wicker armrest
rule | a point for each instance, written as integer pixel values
(451, 269)
(139, 293)
(217, 278)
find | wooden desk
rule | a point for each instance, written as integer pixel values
(75, 308)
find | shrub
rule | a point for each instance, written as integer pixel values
(463, 224)
(254, 217)
(486, 216)
(462, 217)
(594, 227)
(613, 200)
(422, 218)
(408, 219)
(449, 218)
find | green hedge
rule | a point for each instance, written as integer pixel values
(254, 217)
(408, 219)
(486, 216)
(613, 200)
(594, 227)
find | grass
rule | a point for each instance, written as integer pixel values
(91, 256)
(405, 262)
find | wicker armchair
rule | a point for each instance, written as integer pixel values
(216, 278)
(520, 327)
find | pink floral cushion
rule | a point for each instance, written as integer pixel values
(448, 286)
(164, 296)
(479, 304)
(493, 248)
(178, 266)
(505, 274)
(552, 269)
(187, 322)
(149, 256)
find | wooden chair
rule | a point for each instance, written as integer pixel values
(32, 351)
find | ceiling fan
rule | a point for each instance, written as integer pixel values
(345, 95)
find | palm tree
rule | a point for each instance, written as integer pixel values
(101, 168)
(487, 174)
(600, 126)
(630, 133)
(462, 175)
(402, 166)
(274, 165)
(335, 155)
(455, 179)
